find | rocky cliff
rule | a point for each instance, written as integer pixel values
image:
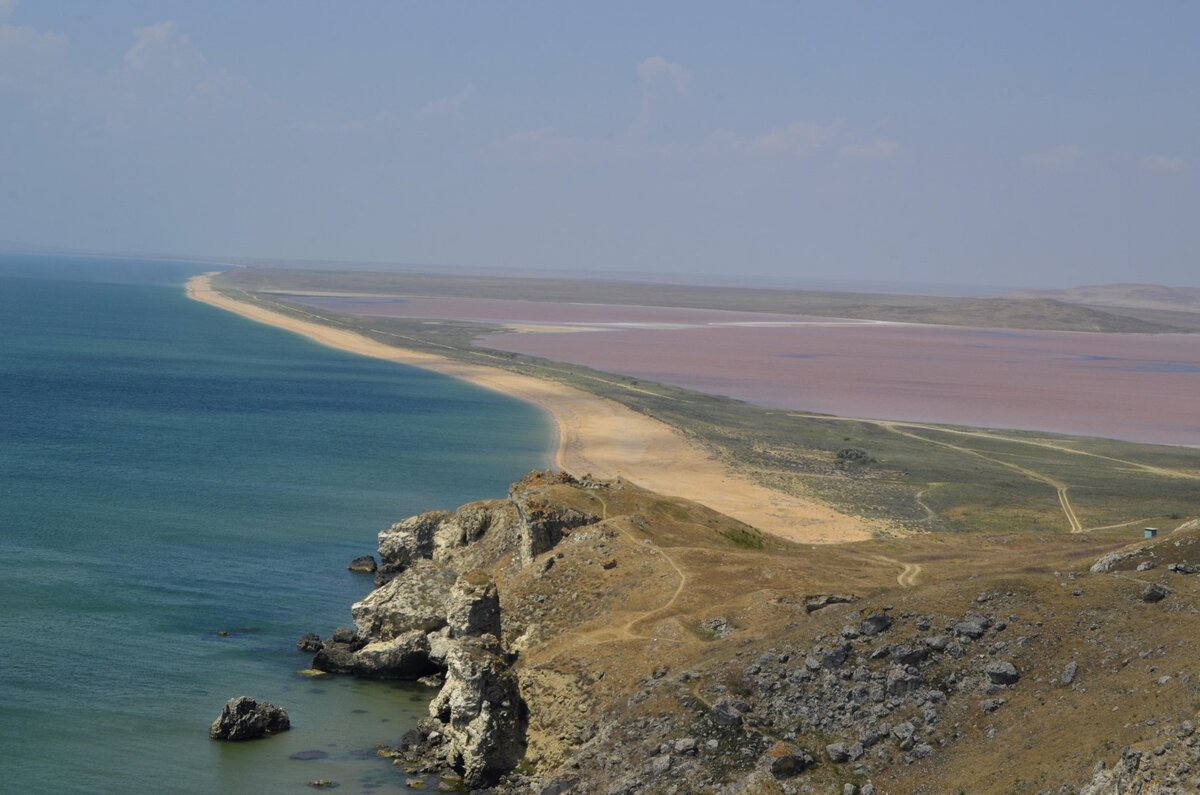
(591, 637)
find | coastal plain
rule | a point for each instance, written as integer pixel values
(671, 622)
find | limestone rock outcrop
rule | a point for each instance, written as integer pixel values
(416, 601)
(480, 711)
(474, 606)
(244, 718)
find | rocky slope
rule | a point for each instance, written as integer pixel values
(591, 637)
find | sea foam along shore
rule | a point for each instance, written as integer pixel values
(595, 435)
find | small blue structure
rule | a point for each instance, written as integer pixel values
(1150, 532)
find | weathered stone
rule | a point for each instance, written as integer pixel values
(1069, 671)
(728, 711)
(875, 623)
(411, 539)
(415, 600)
(904, 733)
(900, 682)
(973, 626)
(309, 642)
(344, 635)
(937, 642)
(832, 659)
(905, 655)
(466, 525)
(1110, 561)
(543, 524)
(473, 606)
(814, 603)
(837, 753)
(686, 745)
(1002, 672)
(481, 710)
(1155, 593)
(785, 760)
(243, 718)
(364, 564)
(403, 657)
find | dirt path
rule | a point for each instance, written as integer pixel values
(907, 578)
(1059, 487)
(1163, 471)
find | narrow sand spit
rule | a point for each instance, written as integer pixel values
(597, 435)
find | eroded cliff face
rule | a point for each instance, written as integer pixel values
(437, 611)
(593, 637)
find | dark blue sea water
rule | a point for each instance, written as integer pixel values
(169, 472)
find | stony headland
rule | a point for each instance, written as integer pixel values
(591, 637)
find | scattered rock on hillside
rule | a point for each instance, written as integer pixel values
(1155, 593)
(1002, 672)
(243, 718)
(875, 623)
(814, 603)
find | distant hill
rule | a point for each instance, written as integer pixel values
(1134, 296)
(1012, 312)
(1017, 313)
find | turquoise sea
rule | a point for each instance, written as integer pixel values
(170, 472)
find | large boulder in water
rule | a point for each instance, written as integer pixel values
(243, 718)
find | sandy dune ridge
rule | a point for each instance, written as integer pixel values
(596, 435)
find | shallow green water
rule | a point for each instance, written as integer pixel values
(169, 471)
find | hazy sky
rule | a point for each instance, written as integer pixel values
(995, 143)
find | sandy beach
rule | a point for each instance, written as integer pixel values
(597, 436)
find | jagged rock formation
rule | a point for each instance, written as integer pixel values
(437, 610)
(662, 649)
(479, 711)
(243, 718)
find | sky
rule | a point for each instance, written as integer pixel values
(1015, 144)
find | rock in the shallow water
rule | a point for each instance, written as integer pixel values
(1155, 593)
(1002, 672)
(481, 712)
(309, 642)
(474, 606)
(403, 657)
(243, 718)
(364, 564)
(417, 599)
